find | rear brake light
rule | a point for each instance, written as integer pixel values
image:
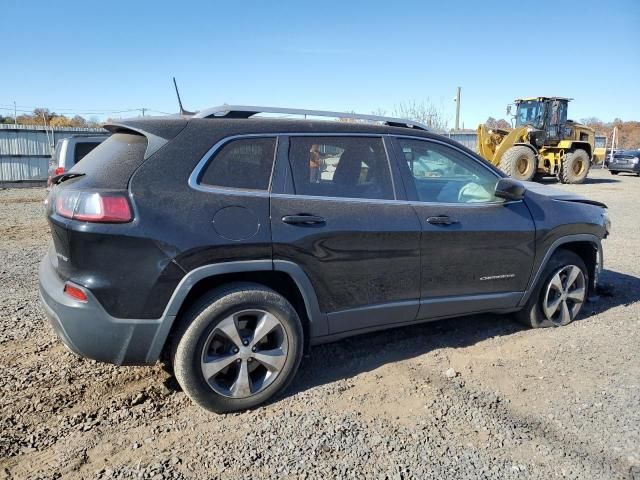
(75, 292)
(58, 171)
(93, 206)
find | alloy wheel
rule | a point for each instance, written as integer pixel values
(244, 353)
(564, 295)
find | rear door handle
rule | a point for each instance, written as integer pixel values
(303, 219)
(441, 220)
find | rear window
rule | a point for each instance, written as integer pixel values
(111, 164)
(82, 149)
(245, 163)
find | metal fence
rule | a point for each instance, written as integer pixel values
(465, 137)
(25, 150)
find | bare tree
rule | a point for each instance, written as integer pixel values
(501, 124)
(422, 111)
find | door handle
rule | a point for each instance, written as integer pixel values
(303, 219)
(441, 220)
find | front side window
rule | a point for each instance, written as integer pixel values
(352, 167)
(442, 174)
(244, 163)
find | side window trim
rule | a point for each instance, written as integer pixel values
(390, 164)
(412, 193)
(196, 174)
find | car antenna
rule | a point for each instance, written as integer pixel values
(182, 110)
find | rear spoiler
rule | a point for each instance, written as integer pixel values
(158, 131)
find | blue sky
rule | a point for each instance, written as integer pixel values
(80, 56)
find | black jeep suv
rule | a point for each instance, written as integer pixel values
(228, 244)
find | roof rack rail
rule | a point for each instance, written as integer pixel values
(244, 111)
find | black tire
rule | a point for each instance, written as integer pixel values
(575, 167)
(199, 323)
(519, 162)
(532, 314)
(613, 172)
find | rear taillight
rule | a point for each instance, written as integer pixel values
(93, 206)
(58, 171)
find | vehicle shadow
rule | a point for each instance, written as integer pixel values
(349, 357)
(614, 289)
(588, 181)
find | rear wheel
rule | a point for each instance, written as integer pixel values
(519, 162)
(613, 172)
(559, 295)
(575, 167)
(237, 347)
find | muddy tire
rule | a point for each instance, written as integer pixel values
(560, 293)
(575, 167)
(519, 162)
(237, 347)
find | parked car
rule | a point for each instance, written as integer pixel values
(70, 151)
(625, 161)
(209, 241)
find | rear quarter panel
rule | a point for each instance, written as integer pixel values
(180, 218)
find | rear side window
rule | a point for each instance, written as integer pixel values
(245, 163)
(351, 167)
(82, 149)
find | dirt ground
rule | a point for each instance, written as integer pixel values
(475, 397)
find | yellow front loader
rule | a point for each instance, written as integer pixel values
(542, 143)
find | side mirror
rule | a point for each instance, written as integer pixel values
(510, 189)
(508, 109)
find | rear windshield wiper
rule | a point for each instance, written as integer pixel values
(58, 179)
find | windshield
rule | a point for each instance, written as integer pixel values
(530, 112)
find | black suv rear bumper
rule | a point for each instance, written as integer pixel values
(89, 331)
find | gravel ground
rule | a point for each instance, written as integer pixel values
(475, 397)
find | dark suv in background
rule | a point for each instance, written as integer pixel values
(625, 161)
(228, 244)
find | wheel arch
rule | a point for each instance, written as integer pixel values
(587, 246)
(586, 146)
(286, 278)
(528, 145)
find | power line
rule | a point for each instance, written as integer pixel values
(98, 110)
(69, 111)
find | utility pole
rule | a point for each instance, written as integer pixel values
(15, 113)
(143, 109)
(614, 143)
(457, 100)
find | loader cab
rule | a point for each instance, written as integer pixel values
(547, 115)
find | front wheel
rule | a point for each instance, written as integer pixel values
(519, 162)
(560, 293)
(237, 347)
